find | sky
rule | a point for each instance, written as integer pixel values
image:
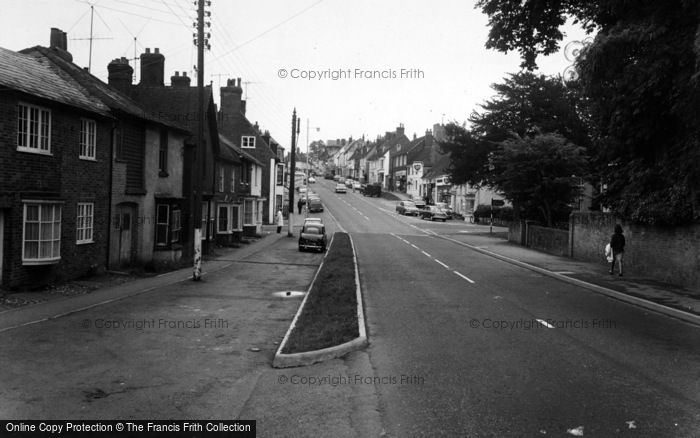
(350, 68)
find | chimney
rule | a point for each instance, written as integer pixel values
(152, 68)
(231, 102)
(59, 42)
(120, 73)
(180, 81)
(400, 130)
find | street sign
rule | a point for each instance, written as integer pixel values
(497, 202)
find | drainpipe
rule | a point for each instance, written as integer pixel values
(112, 142)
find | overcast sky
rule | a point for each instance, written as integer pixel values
(439, 45)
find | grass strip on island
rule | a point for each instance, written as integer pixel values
(329, 317)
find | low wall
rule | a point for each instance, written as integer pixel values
(549, 240)
(667, 254)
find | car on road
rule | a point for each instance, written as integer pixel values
(407, 208)
(315, 205)
(312, 236)
(357, 185)
(348, 183)
(340, 188)
(341, 180)
(446, 208)
(302, 190)
(316, 220)
(336, 177)
(372, 190)
(433, 213)
(312, 180)
(328, 175)
(420, 204)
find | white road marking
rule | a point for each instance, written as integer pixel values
(414, 246)
(427, 254)
(545, 323)
(444, 265)
(465, 277)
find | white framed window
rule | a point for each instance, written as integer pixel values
(33, 129)
(233, 180)
(162, 224)
(248, 141)
(85, 219)
(88, 139)
(41, 234)
(175, 225)
(223, 219)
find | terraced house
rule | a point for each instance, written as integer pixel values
(79, 187)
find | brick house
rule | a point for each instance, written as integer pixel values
(234, 125)
(146, 170)
(55, 143)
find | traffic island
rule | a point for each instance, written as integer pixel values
(330, 320)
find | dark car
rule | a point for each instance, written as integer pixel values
(328, 175)
(312, 236)
(407, 208)
(372, 190)
(315, 205)
(433, 213)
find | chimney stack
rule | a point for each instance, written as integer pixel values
(231, 101)
(400, 130)
(120, 73)
(152, 68)
(180, 81)
(59, 42)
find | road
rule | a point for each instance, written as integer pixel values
(463, 344)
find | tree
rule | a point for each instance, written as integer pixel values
(537, 174)
(639, 84)
(526, 106)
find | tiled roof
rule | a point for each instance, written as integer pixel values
(110, 96)
(230, 145)
(35, 76)
(176, 105)
(440, 168)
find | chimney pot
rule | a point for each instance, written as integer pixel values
(148, 50)
(156, 50)
(152, 68)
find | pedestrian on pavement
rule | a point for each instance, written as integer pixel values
(280, 220)
(300, 205)
(617, 243)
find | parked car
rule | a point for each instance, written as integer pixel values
(433, 213)
(312, 236)
(316, 220)
(407, 208)
(372, 190)
(312, 180)
(328, 175)
(357, 185)
(340, 188)
(315, 205)
(446, 208)
(302, 189)
(420, 204)
(336, 178)
(349, 183)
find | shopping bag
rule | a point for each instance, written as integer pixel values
(608, 253)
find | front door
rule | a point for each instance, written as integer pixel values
(125, 226)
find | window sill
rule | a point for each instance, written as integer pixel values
(87, 159)
(84, 242)
(35, 152)
(33, 262)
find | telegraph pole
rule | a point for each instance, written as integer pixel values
(199, 160)
(292, 172)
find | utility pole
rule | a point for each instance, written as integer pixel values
(292, 172)
(199, 154)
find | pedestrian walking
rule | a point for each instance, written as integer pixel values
(300, 205)
(617, 243)
(280, 220)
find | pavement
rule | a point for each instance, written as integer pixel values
(664, 294)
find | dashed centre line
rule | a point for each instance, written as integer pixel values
(464, 277)
(441, 263)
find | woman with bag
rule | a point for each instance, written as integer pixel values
(617, 244)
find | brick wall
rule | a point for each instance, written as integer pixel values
(61, 176)
(667, 254)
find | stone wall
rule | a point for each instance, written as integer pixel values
(666, 254)
(549, 240)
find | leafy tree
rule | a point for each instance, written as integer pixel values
(639, 82)
(537, 174)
